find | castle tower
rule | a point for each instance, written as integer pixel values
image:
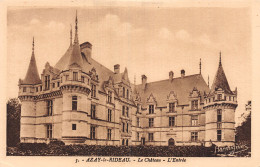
(27, 97)
(75, 88)
(220, 106)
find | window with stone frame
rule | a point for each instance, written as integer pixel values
(137, 136)
(151, 122)
(194, 120)
(137, 121)
(171, 107)
(151, 109)
(171, 121)
(194, 105)
(123, 91)
(150, 137)
(82, 79)
(109, 134)
(109, 115)
(126, 142)
(123, 127)
(219, 135)
(194, 136)
(123, 110)
(93, 111)
(74, 126)
(74, 102)
(127, 111)
(127, 93)
(49, 131)
(127, 126)
(53, 85)
(219, 96)
(92, 132)
(24, 89)
(49, 107)
(219, 115)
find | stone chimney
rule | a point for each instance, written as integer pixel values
(144, 81)
(171, 75)
(117, 69)
(182, 73)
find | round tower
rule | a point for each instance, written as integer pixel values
(26, 95)
(220, 106)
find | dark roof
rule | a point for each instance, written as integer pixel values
(220, 81)
(32, 75)
(75, 57)
(181, 86)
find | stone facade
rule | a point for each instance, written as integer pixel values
(80, 101)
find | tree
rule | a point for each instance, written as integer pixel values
(13, 122)
(243, 132)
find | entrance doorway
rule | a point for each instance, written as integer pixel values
(143, 141)
(171, 142)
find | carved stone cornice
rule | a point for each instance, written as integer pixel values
(75, 88)
(220, 105)
(56, 94)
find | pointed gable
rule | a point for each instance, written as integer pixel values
(220, 80)
(32, 75)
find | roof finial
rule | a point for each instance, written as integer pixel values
(200, 65)
(33, 45)
(70, 34)
(208, 80)
(76, 29)
(220, 59)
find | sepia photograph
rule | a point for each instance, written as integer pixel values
(137, 83)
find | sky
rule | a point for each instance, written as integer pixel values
(148, 40)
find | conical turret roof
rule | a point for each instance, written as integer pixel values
(32, 75)
(220, 80)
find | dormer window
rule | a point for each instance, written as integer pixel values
(109, 97)
(93, 90)
(75, 76)
(151, 109)
(171, 107)
(127, 94)
(219, 96)
(194, 105)
(47, 82)
(123, 91)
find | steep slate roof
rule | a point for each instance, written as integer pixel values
(220, 80)
(182, 88)
(32, 75)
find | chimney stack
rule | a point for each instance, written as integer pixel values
(117, 69)
(144, 81)
(182, 73)
(171, 75)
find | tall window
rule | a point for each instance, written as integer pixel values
(109, 115)
(47, 82)
(109, 134)
(127, 127)
(93, 90)
(127, 111)
(127, 94)
(123, 91)
(171, 107)
(151, 121)
(171, 121)
(150, 136)
(137, 136)
(49, 107)
(74, 102)
(36, 89)
(58, 84)
(67, 77)
(49, 131)
(194, 105)
(123, 127)
(219, 135)
(194, 136)
(126, 142)
(219, 115)
(53, 85)
(123, 110)
(109, 97)
(92, 132)
(123, 142)
(82, 79)
(194, 120)
(75, 76)
(151, 109)
(93, 111)
(137, 121)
